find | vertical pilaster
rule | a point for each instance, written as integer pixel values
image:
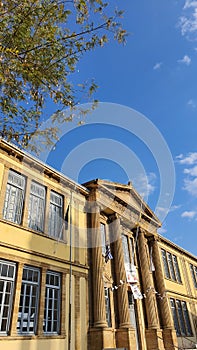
(150, 301)
(97, 269)
(123, 306)
(47, 208)
(76, 232)
(4, 181)
(13, 328)
(26, 202)
(42, 300)
(77, 314)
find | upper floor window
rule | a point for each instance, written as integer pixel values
(125, 249)
(7, 276)
(181, 318)
(51, 322)
(55, 215)
(36, 207)
(103, 238)
(14, 198)
(171, 267)
(193, 270)
(28, 306)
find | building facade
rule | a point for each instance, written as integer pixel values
(83, 267)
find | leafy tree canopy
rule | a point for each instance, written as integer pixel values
(41, 42)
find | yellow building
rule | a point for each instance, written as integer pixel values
(82, 267)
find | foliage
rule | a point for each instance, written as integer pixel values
(41, 42)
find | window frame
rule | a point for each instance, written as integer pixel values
(14, 196)
(52, 287)
(108, 307)
(25, 317)
(103, 236)
(181, 319)
(55, 216)
(193, 270)
(38, 201)
(171, 266)
(6, 280)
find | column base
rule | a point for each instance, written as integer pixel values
(103, 338)
(170, 339)
(100, 324)
(154, 339)
(126, 338)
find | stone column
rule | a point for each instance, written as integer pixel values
(97, 269)
(150, 301)
(169, 333)
(123, 306)
(165, 310)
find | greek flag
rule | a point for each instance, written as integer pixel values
(108, 255)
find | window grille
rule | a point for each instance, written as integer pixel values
(52, 303)
(55, 215)
(125, 249)
(171, 267)
(103, 238)
(107, 307)
(36, 207)
(28, 306)
(7, 276)
(181, 318)
(14, 198)
(193, 270)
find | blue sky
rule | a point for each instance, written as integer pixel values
(154, 74)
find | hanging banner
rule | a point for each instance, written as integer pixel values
(131, 273)
(136, 292)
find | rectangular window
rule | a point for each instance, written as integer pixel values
(125, 249)
(193, 270)
(36, 207)
(171, 267)
(28, 306)
(14, 198)
(107, 307)
(181, 319)
(52, 303)
(55, 215)
(7, 276)
(165, 263)
(103, 238)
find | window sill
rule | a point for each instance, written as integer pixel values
(31, 337)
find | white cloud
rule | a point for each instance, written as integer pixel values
(174, 207)
(191, 103)
(144, 184)
(185, 60)
(191, 186)
(190, 158)
(157, 65)
(190, 180)
(189, 4)
(188, 22)
(191, 171)
(189, 214)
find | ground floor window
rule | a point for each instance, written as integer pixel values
(52, 303)
(28, 306)
(181, 318)
(7, 277)
(107, 307)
